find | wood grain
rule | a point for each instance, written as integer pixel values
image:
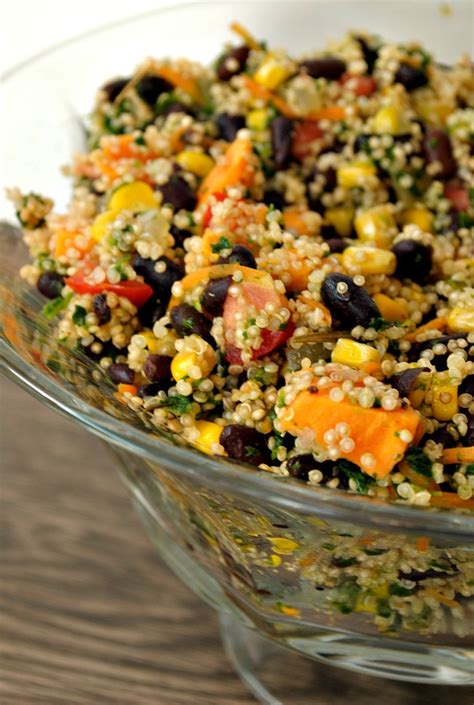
(89, 614)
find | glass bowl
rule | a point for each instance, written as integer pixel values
(293, 570)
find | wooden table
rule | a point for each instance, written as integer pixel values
(90, 616)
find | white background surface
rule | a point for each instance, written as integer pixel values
(29, 26)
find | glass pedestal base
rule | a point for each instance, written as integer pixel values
(278, 676)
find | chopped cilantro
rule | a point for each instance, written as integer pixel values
(251, 451)
(381, 324)
(374, 551)
(400, 590)
(140, 140)
(179, 404)
(471, 194)
(79, 316)
(283, 326)
(470, 469)
(222, 244)
(419, 461)
(383, 608)
(347, 595)
(363, 481)
(55, 306)
(465, 220)
(328, 546)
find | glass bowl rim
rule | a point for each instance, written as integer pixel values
(219, 473)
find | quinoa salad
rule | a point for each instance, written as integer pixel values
(273, 258)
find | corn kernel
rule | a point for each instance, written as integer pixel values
(444, 402)
(152, 342)
(257, 119)
(368, 260)
(419, 389)
(209, 435)
(356, 174)
(271, 72)
(461, 320)
(418, 215)
(195, 162)
(100, 225)
(341, 219)
(391, 309)
(183, 363)
(376, 226)
(134, 196)
(353, 354)
(387, 120)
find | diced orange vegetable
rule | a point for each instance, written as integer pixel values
(124, 388)
(294, 221)
(264, 94)
(327, 320)
(179, 81)
(236, 169)
(66, 239)
(450, 500)
(116, 147)
(422, 543)
(334, 113)
(452, 456)
(373, 430)
(438, 323)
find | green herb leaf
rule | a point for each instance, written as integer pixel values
(222, 244)
(178, 404)
(79, 316)
(419, 461)
(353, 472)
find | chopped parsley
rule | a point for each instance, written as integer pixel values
(400, 590)
(470, 469)
(418, 461)
(222, 244)
(381, 324)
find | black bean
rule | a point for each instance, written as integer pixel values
(101, 309)
(50, 284)
(468, 439)
(329, 67)
(239, 55)
(410, 77)
(414, 260)
(214, 295)
(328, 232)
(157, 367)
(437, 148)
(351, 305)
(228, 125)
(370, 54)
(239, 255)
(404, 381)
(439, 360)
(161, 282)
(418, 576)
(187, 321)
(113, 88)
(301, 465)
(152, 311)
(467, 386)
(149, 88)
(179, 194)
(337, 244)
(152, 389)
(281, 130)
(120, 373)
(245, 444)
(441, 435)
(274, 198)
(179, 235)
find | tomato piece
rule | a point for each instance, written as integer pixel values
(258, 293)
(458, 196)
(136, 292)
(304, 135)
(361, 85)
